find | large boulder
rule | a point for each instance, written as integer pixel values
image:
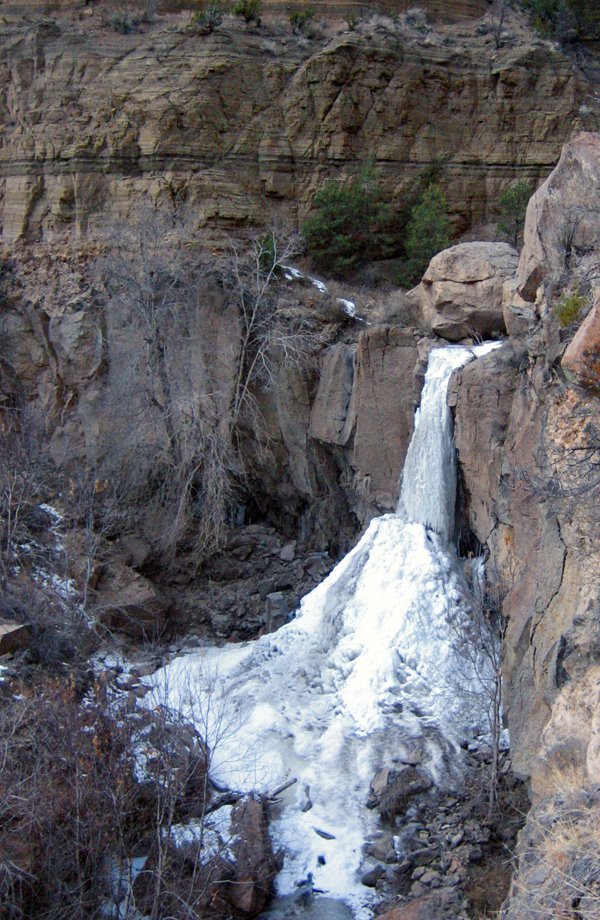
(460, 294)
(563, 218)
(126, 602)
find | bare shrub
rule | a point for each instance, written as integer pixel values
(178, 408)
(24, 470)
(68, 801)
(478, 641)
(560, 873)
(106, 810)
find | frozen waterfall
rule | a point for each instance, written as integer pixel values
(428, 492)
(364, 671)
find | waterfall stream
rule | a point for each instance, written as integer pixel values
(364, 672)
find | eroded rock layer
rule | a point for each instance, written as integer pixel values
(242, 126)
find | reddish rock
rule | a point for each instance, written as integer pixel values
(481, 393)
(13, 636)
(581, 361)
(127, 602)
(255, 865)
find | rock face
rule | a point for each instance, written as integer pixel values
(528, 448)
(581, 360)
(562, 224)
(125, 601)
(482, 395)
(436, 9)
(365, 404)
(461, 291)
(242, 127)
(323, 457)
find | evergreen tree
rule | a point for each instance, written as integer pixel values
(512, 206)
(566, 19)
(351, 223)
(427, 233)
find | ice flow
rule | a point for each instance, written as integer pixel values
(366, 668)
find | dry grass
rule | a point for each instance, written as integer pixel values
(560, 871)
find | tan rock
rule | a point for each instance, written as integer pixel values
(543, 546)
(563, 216)
(244, 128)
(520, 315)
(581, 360)
(570, 743)
(461, 291)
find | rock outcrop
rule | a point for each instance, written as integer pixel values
(321, 456)
(528, 446)
(581, 360)
(243, 126)
(461, 292)
(562, 229)
(361, 408)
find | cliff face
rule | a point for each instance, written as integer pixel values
(242, 126)
(320, 453)
(527, 431)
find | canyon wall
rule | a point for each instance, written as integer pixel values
(241, 127)
(527, 432)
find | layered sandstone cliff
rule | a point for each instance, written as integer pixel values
(243, 126)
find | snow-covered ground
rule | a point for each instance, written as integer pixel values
(348, 306)
(366, 668)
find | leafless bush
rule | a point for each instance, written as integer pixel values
(478, 641)
(177, 407)
(275, 332)
(67, 801)
(95, 799)
(23, 472)
(170, 454)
